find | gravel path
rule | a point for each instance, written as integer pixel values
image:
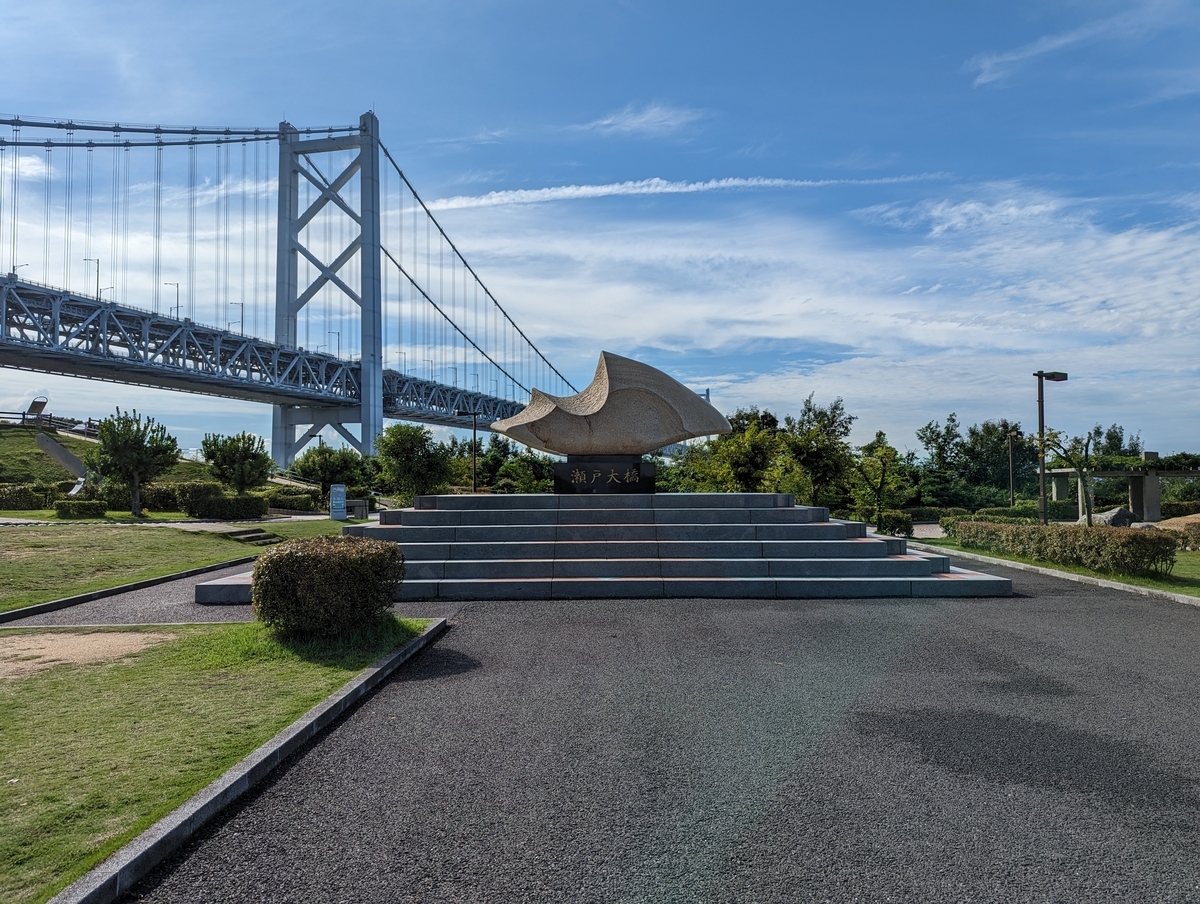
(1039, 748)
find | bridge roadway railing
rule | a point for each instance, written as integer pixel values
(49, 330)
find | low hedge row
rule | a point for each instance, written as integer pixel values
(1179, 509)
(291, 498)
(80, 508)
(933, 513)
(325, 586)
(226, 508)
(1061, 510)
(1111, 550)
(19, 497)
(949, 525)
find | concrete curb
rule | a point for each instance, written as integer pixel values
(1065, 575)
(68, 601)
(120, 872)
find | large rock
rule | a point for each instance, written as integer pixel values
(629, 408)
(1118, 517)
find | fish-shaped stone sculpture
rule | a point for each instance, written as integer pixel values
(629, 408)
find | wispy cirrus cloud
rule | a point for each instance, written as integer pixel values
(655, 186)
(995, 67)
(652, 119)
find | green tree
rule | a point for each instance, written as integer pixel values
(1076, 453)
(526, 473)
(817, 440)
(943, 444)
(240, 461)
(326, 466)
(411, 462)
(878, 482)
(747, 454)
(133, 452)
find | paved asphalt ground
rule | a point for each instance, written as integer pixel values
(1040, 748)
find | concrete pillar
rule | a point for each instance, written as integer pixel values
(1137, 496)
(1152, 498)
(1061, 488)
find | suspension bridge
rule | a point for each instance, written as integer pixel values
(296, 267)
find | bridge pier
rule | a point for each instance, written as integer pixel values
(294, 164)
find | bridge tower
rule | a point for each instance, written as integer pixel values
(295, 153)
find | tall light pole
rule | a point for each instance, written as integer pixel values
(1054, 376)
(1012, 486)
(337, 333)
(241, 306)
(474, 419)
(96, 261)
(177, 306)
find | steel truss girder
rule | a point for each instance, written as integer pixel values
(410, 398)
(46, 329)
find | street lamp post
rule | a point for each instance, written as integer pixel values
(1054, 376)
(337, 333)
(96, 261)
(1012, 486)
(474, 417)
(241, 306)
(177, 306)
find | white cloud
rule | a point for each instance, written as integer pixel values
(765, 307)
(652, 119)
(995, 67)
(654, 186)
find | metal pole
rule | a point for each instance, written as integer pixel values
(474, 484)
(1041, 449)
(1012, 492)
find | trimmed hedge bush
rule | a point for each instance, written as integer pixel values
(190, 492)
(1113, 550)
(291, 498)
(325, 586)
(949, 525)
(928, 513)
(20, 497)
(1062, 510)
(1179, 509)
(156, 497)
(898, 524)
(296, 502)
(226, 508)
(80, 508)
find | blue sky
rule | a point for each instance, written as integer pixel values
(912, 206)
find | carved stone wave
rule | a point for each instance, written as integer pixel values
(629, 408)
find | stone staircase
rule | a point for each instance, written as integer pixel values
(737, 545)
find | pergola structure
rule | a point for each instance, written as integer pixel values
(1145, 492)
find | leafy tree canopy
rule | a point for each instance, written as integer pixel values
(132, 452)
(239, 461)
(410, 461)
(326, 466)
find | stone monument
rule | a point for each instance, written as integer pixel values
(627, 410)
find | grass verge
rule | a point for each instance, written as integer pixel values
(95, 753)
(38, 564)
(1184, 579)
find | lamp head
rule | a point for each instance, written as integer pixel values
(1054, 376)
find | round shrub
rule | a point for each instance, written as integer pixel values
(325, 586)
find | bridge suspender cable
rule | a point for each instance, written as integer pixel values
(429, 214)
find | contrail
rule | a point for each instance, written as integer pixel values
(654, 186)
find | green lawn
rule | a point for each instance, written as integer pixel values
(114, 516)
(38, 564)
(1185, 578)
(21, 461)
(92, 754)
